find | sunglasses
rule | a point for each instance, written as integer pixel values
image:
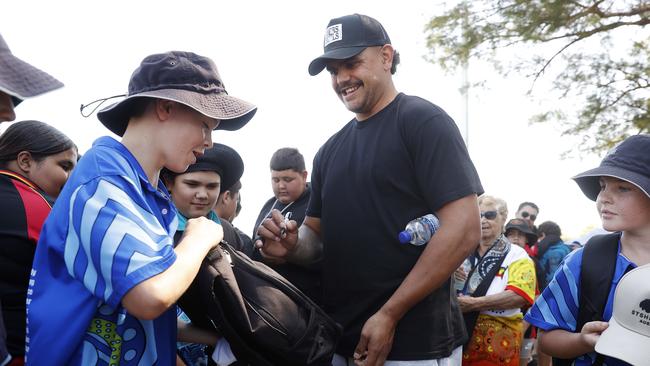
(526, 214)
(490, 215)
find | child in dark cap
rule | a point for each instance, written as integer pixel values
(106, 274)
(621, 188)
(195, 193)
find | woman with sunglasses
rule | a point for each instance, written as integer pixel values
(501, 281)
(35, 161)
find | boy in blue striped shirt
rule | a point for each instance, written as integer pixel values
(106, 274)
(621, 188)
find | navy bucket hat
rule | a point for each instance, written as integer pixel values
(628, 161)
(346, 37)
(183, 77)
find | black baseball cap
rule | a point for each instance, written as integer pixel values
(348, 36)
(628, 161)
(221, 159)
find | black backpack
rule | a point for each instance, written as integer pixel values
(266, 319)
(596, 273)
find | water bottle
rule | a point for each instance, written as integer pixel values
(420, 230)
(459, 285)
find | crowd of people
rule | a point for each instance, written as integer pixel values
(95, 251)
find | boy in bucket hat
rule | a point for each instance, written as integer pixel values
(106, 273)
(621, 188)
(19, 80)
(399, 158)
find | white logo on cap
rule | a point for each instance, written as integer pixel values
(333, 33)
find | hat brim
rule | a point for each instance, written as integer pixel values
(21, 80)
(530, 235)
(319, 63)
(233, 113)
(590, 185)
(619, 342)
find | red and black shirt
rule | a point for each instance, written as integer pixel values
(23, 209)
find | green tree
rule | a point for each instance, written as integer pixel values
(599, 56)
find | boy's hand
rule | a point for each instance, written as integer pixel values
(591, 331)
(277, 237)
(205, 231)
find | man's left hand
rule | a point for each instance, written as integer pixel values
(376, 340)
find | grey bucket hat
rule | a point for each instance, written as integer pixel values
(183, 77)
(21, 80)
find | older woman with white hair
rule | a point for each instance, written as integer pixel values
(501, 281)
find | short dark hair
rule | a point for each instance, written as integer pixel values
(549, 228)
(238, 209)
(234, 189)
(39, 139)
(288, 158)
(167, 176)
(396, 60)
(523, 204)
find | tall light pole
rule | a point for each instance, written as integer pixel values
(465, 102)
(465, 85)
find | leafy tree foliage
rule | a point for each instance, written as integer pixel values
(599, 56)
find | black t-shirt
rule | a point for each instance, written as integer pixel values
(368, 181)
(23, 210)
(307, 279)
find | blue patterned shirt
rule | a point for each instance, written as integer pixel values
(109, 230)
(557, 306)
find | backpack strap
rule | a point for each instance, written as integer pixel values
(597, 268)
(471, 317)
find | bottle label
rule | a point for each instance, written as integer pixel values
(432, 222)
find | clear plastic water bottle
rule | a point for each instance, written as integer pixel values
(459, 284)
(420, 230)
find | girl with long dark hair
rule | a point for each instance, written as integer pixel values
(35, 161)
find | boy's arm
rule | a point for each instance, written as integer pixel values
(187, 332)
(564, 344)
(153, 296)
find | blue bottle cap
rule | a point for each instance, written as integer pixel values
(404, 237)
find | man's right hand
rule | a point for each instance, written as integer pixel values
(277, 237)
(204, 231)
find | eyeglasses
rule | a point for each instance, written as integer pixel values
(526, 214)
(490, 215)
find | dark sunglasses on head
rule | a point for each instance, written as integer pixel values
(490, 215)
(526, 214)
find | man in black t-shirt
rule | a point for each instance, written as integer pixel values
(400, 158)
